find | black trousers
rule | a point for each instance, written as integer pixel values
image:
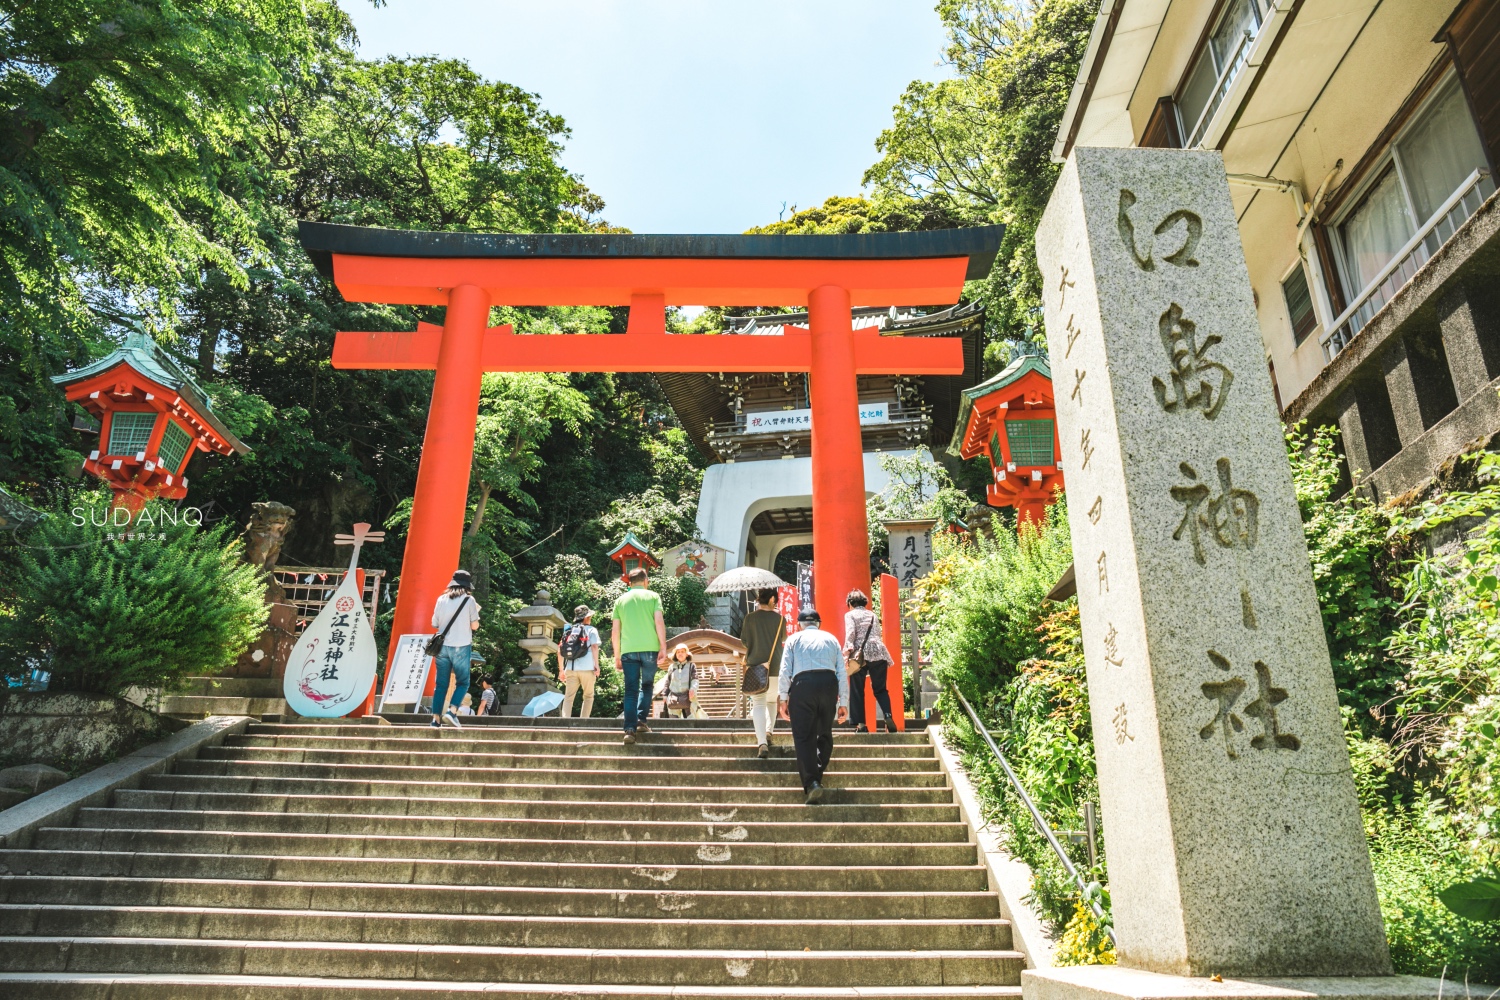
(813, 703)
(876, 674)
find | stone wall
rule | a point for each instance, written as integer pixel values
(74, 731)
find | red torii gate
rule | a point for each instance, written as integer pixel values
(470, 272)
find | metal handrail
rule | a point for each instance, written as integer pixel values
(1036, 815)
(1332, 342)
(1230, 73)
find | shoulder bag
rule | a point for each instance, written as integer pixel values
(758, 675)
(857, 657)
(435, 644)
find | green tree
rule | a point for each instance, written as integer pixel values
(122, 173)
(107, 614)
(979, 145)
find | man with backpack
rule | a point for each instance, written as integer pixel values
(578, 661)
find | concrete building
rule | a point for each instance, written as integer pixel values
(1360, 137)
(756, 500)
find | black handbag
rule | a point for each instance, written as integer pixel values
(757, 678)
(435, 644)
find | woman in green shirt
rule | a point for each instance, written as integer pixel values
(764, 633)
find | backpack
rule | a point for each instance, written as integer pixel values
(575, 645)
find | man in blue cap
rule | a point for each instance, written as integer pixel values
(814, 691)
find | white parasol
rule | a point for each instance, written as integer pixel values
(745, 578)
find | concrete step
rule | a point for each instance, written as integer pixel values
(510, 727)
(634, 966)
(588, 743)
(469, 760)
(838, 776)
(724, 876)
(454, 848)
(202, 706)
(650, 904)
(665, 812)
(153, 986)
(551, 830)
(374, 927)
(527, 858)
(231, 687)
(717, 796)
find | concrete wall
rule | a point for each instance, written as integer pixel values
(735, 492)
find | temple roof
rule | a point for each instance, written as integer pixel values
(699, 401)
(978, 243)
(145, 356)
(1008, 376)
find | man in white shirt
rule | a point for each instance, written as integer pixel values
(814, 691)
(583, 670)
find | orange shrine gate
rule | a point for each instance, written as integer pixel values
(468, 273)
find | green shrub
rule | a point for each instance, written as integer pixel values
(1353, 569)
(107, 615)
(684, 600)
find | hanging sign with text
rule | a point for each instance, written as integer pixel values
(773, 421)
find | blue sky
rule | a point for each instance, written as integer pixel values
(690, 115)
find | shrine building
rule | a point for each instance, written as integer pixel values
(756, 499)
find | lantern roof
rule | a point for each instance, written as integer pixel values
(631, 542)
(1009, 376)
(145, 356)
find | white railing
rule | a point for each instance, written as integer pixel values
(1458, 209)
(1226, 80)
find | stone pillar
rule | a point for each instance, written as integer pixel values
(1352, 434)
(1401, 386)
(1235, 842)
(1470, 327)
(541, 620)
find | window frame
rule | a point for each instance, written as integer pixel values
(187, 448)
(109, 445)
(1204, 49)
(1375, 171)
(1312, 302)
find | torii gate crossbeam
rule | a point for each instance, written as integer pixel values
(469, 273)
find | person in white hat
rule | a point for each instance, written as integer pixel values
(458, 615)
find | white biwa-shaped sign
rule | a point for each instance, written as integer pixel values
(333, 667)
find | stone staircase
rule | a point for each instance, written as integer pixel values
(528, 861)
(201, 697)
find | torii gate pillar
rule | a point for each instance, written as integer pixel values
(840, 537)
(442, 496)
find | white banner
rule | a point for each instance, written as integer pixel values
(772, 421)
(333, 666)
(406, 673)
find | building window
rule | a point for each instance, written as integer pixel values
(1030, 441)
(1299, 304)
(1218, 65)
(1432, 162)
(174, 445)
(130, 431)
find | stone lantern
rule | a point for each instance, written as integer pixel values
(541, 620)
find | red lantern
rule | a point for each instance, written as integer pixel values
(152, 416)
(1011, 420)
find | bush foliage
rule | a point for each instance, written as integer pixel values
(108, 615)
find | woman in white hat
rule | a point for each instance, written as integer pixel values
(457, 616)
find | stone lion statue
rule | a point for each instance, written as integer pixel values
(264, 535)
